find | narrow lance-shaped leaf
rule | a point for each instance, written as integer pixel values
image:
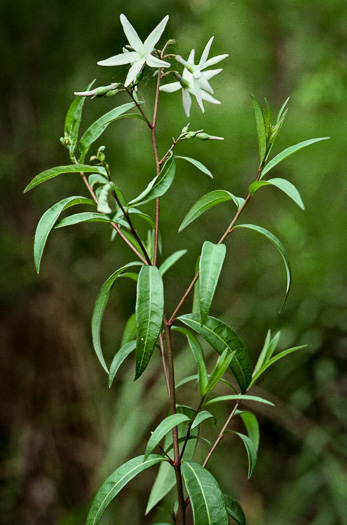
(261, 132)
(119, 358)
(162, 429)
(116, 482)
(166, 479)
(268, 349)
(99, 309)
(198, 356)
(279, 247)
(287, 152)
(98, 127)
(251, 452)
(149, 315)
(208, 201)
(238, 398)
(73, 120)
(54, 172)
(219, 370)
(287, 187)
(234, 510)
(171, 260)
(47, 222)
(273, 360)
(107, 203)
(159, 185)
(87, 216)
(201, 417)
(211, 262)
(197, 164)
(129, 330)
(206, 498)
(221, 336)
(252, 426)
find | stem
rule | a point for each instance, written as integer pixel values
(113, 224)
(174, 142)
(139, 107)
(157, 165)
(177, 459)
(221, 434)
(227, 232)
(162, 355)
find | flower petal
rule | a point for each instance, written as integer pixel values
(132, 36)
(197, 93)
(213, 61)
(153, 38)
(170, 88)
(211, 73)
(208, 98)
(187, 101)
(205, 52)
(133, 72)
(204, 84)
(156, 62)
(119, 60)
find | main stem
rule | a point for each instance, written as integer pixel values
(170, 374)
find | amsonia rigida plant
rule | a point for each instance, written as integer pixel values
(172, 444)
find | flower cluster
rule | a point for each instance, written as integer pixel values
(194, 79)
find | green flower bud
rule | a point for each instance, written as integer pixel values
(205, 136)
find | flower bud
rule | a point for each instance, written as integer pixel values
(205, 136)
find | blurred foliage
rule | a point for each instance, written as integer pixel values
(59, 422)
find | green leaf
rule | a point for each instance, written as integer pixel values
(287, 187)
(279, 247)
(54, 172)
(220, 336)
(238, 398)
(97, 179)
(98, 127)
(197, 164)
(205, 495)
(198, 356)
(273, 360)
(149, 315)
(119, 358)
(282, 111)
(162, 429)
(219, 370)
(171, 260)
(252, 426)
(201, 417)
(73, 120)
(99, 309)
(115, 482)
(47, 222)
(164, 482)
(129, 331)
(261, 132)
(87, 216)
(287, 152)
(159, 185)
(234, 510)
(211, 262)
(267, 351)
(251, 452)
(166, 478)
(208, 201)
(107, 203)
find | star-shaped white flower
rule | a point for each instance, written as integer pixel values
(142, 50)
(196, 79)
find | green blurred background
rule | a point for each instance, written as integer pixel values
(62, 429)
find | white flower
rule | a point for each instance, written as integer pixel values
(196, 79)
(142, 50)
